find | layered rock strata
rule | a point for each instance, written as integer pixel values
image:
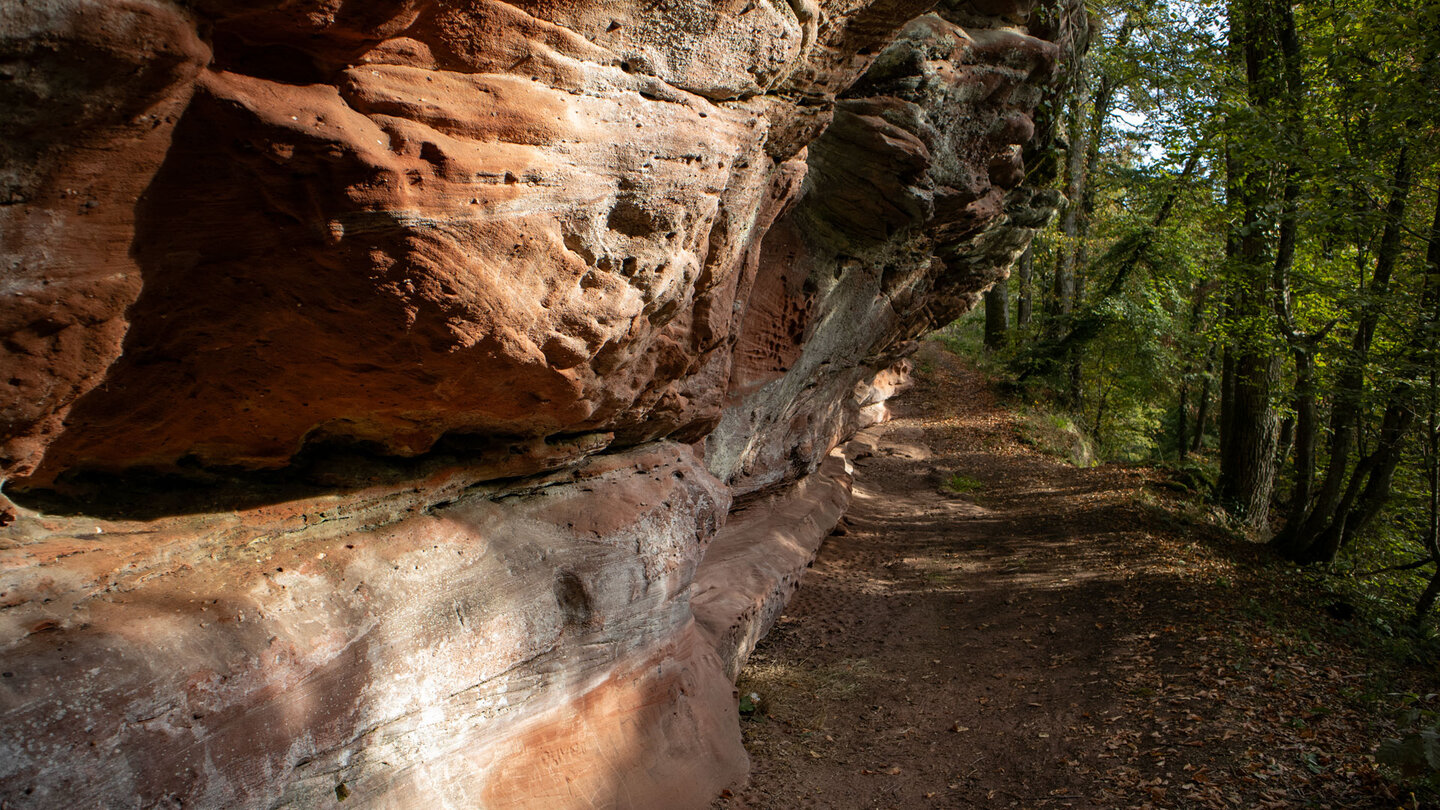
(433, 402)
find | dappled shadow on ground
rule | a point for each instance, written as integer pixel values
(991, 627)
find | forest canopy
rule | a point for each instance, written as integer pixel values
(1244, 281)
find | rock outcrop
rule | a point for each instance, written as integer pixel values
(433, 402)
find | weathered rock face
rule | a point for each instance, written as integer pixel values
(379, 376)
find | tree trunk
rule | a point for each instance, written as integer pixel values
(1432, 464)
(1247, 472)
(1182, 421)
(1063, 280)
(1189, 371)
(1247, 461)
(1427, 599)
(1302, 346)
(1025, 303)
(1319, 535)
(1074, 390)
(997, 315)
(1306, 427)
(1287, 437)
(1399, 416)
(1202, 411)
(1227, 403)
(1400, 413)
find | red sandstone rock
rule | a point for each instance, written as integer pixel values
(378, 376)
(92, 93)
(375, 226)
(267, 655)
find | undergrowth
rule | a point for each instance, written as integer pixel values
(963, 484)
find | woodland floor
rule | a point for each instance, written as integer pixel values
(1054, 637)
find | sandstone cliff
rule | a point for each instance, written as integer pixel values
(432, 402)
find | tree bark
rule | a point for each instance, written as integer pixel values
(1399, 416)
(1426, 602)
(1247, 460)
(1247, 472)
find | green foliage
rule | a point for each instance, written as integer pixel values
(1202, 160)
(1055, 434)
(1193, 475)
(963, 484)
(749, 703)
(965, 336)
(1416, 752)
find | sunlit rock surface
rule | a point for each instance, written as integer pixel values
(432, 403)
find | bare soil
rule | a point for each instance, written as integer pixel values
(991, 627)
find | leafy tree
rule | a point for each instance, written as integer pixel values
(1245, 275)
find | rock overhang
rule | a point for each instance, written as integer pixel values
(352, 318)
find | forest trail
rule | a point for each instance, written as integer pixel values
(1047, 636)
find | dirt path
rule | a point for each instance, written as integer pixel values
(1045, 639)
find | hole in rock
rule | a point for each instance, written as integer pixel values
(574, 600)
(280, 63)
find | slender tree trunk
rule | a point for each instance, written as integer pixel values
(1400, 412)
(1227, 404)
(1102, 396)
(1306, 428)
(1366, 492)
(1302, 346)
(1427, 599)
(1432, 458)
(1024, 306)
(997, 315)
(1063, 280)
(1083, 161)
(1432, 467)
(1189, 370)
(1232, 298)
(1432, 364)
(1074, 377)
(1182, 421)
(1426, 603)
(1286, 437)
(1399, 417)
(1202, 410)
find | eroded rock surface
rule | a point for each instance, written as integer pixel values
(379, 376)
